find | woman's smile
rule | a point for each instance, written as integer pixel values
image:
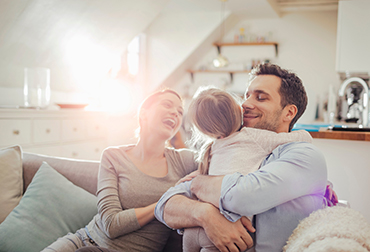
(171, 123)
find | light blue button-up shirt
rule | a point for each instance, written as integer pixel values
(289, 185)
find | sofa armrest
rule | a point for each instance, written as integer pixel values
(82, 173)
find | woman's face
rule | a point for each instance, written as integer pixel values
(164, 116)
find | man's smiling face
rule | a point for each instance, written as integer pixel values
(262, 107)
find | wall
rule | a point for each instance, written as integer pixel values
(172, 37)
(78, 40)
(348, 165)
(307, 45)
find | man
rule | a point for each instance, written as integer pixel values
(289, 185)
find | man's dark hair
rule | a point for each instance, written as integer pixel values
(291, 89)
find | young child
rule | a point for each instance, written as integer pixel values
(217, 114)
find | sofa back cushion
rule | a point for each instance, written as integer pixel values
(82, 173)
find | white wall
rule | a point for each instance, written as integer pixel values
(348, 165)
(78, 40)
(172, 37)
(307, 46)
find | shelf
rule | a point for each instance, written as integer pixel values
(231, 72)
(218, 71)
(219, 45)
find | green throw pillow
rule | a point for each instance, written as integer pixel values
(51, 207)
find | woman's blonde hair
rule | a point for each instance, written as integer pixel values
(215, 113)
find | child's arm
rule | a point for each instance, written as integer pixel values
(269, 140)
(189, 177)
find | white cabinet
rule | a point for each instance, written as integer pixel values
(73, 129)
(64, 133)
(15, 131)
(46, 131)
(353, 36)
(87, 150)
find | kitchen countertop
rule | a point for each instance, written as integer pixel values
(320, 130)
(341, 135)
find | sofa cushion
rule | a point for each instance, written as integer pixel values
(82, 173)
(11, 181)
(51, 207)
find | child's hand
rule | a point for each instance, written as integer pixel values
(330, 195)
(189, 177)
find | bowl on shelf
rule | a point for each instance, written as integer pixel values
(72, 105)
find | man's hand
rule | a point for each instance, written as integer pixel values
(225, 235)
(207, 188)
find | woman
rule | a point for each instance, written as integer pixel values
(131, 181)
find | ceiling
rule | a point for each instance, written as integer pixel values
(252, 8)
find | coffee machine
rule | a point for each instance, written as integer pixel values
(354, 100)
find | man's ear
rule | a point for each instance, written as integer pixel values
(289, 112)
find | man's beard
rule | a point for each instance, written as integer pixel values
(271, 123)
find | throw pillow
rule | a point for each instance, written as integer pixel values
(11, 180)
(50, 208)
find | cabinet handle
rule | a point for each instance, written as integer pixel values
(48, 131)
(16, 132)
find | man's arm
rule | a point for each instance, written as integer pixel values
(177, 210)
(181, 211)
(292, 171)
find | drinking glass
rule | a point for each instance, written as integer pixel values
(36, 88)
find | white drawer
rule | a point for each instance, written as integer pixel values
(46, 131)
(96, 128)
(15, 131)
(73, 129)
(95, 149)
(88, 150)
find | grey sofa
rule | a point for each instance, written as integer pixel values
(81, 173)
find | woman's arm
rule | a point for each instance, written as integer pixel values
(115, 220)
(145, 215)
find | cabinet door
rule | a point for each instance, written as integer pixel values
(73, 129)
(46, 131)
(88, 150)
(96, 128)
(353, 36)
(15, 131)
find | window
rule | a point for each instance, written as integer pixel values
(133, 56)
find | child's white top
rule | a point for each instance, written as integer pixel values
(243, 151)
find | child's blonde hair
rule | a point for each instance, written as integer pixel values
(215, 113)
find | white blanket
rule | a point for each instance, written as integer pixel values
(331, 229)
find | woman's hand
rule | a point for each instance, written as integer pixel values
(189, 177)
(145, 214)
